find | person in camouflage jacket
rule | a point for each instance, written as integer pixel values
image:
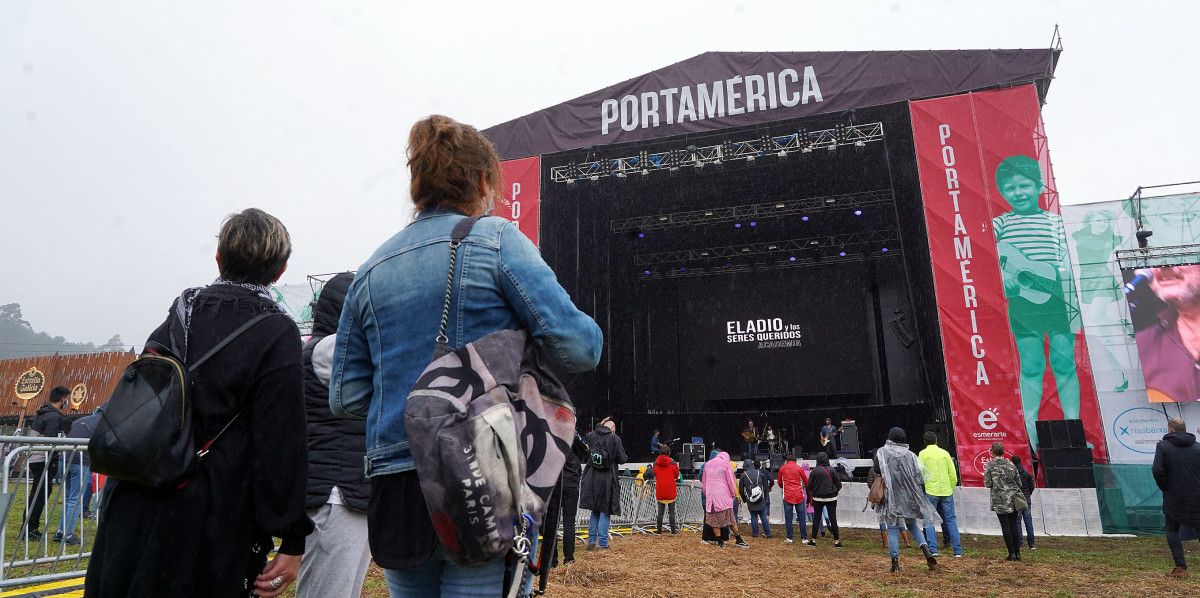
(1001, 477)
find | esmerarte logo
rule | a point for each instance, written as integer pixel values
(729, 97)
(988, 418)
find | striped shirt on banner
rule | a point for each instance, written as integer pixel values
(1039, 236)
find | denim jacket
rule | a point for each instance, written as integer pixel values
(393, 308)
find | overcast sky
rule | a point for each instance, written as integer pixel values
(128, 129)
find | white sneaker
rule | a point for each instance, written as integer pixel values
(958, 556)
(788, 540)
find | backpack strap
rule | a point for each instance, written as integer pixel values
(232, 336)
(460, 232)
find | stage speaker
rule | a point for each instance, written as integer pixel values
(851, 446)
(1060, 433)
(1067, 467)
(776, 461)
(685, 461)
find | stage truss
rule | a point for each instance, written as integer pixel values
(1157, 257)
(788, 253)
(751, 212)
(645, 162)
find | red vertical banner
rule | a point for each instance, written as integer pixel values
(520, 200)
(963, 144)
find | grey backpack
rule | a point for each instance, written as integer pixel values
(490, 427)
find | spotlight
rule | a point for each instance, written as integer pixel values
(792, 258)
(645, 172)
(594, 177)
(858, 212)
(737, 225)
(804, 150)
(570, 181)
(830, 200)
(841, 254)
(772, 247)
(745, 250)
(662, 218)
(749, 158)
(783, 154)
(620, 175)
(860, 144)
(779, 206)
(833, 146)
(753, 223)
(804, 218)
(683, 269)
(814, 242)
(884, 250)
(641, 235)
(708, 213)
(704, 253)
(647, 273)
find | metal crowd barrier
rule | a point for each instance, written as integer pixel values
(29, 465)
(639, 509)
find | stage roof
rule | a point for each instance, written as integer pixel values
(717, 90)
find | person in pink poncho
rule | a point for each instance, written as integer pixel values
(719, 491)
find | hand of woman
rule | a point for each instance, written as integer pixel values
(277, 575)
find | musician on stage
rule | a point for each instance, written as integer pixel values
(829, 438)
(1032, 246)
(750, 435)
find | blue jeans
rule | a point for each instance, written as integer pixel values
(1027, 517)
(800, 516)
(598, 529)
(439, 576)
(755, 518)
(945, 507)
(76, 480)
(894, 535)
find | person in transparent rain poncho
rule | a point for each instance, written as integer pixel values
(905, 504)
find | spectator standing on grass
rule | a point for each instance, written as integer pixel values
(75, 480)
(666, 490)
(569, 506)
(757, 501)
(940, 479)
(389, 326)
(336, 554)
(720, 492)
(1000, 475)
(48, 423)
(1027, 514)
(211, 538)
(793, 480)
(601, 492)
(1176, 470)
(905, 502)
(823, 487)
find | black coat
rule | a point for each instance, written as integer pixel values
(824, 482)
(336, 445)
(1176, 470)
(601, 492)
(48, 421)
(211, 537)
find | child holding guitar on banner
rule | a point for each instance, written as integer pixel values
(1032, 247)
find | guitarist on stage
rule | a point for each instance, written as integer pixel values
(1032, 246)
(750, 435)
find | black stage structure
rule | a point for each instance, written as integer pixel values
(682, 246)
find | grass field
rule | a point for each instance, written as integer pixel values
(681, 567)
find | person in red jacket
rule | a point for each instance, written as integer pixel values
(793, 480)
(666, 472)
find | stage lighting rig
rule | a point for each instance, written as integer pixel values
(803, 207)
(726, 151)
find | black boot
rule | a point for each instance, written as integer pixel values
(929, 559)
(895, 564)
(1017, 554)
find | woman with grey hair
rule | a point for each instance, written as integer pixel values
(210, 536)
(904, 501)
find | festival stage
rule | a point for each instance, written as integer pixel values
(786, 237)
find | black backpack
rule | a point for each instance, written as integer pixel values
(144, 435)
